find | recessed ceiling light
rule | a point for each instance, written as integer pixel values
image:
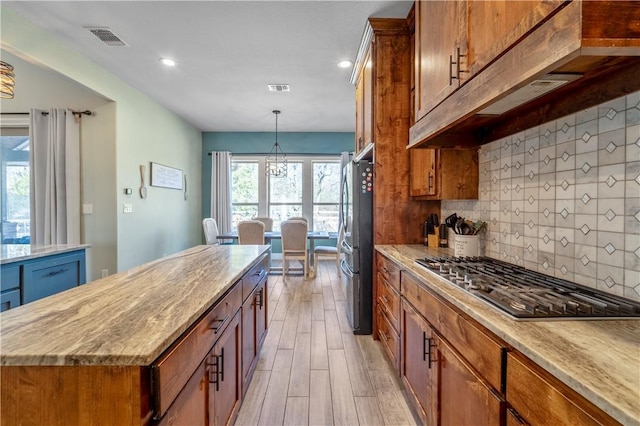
(345, 64)
(168, 62)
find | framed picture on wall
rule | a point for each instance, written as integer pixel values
(165, 176)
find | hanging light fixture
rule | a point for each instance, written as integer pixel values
(276, 162)
(7, 80)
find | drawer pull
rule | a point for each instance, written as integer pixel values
(259, 298)
(428, 343)
(53, 273)
(385, 299)
(259, 273)
(219, 323)
(384, 270)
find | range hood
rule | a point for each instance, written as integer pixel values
(585, 54)
(535, 89)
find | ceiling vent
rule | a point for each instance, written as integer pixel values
(107, 36)
(278, 87)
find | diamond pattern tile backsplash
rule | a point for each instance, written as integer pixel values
(563, 198)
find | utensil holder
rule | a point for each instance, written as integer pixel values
(466, 246)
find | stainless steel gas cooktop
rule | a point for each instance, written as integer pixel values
(527, 294)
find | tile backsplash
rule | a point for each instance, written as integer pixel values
(563, 198)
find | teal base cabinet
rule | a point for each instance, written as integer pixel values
(33, 279)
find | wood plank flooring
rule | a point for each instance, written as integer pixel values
(312, 369)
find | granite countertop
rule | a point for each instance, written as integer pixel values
(19, 252)
(128, 318)
(599, 359)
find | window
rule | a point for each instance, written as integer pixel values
(15, 186)
(311, 189)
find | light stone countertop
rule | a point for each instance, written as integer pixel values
(599, 359)
(20, 252)
(128, 318)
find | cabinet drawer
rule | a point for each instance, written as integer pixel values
(46, 277)
(560, 405)
(388, 271)
(483, 352)
(389, 338)
(254, 276)
(389, 302)
(9, 299)
(9, 277)
(172, 370)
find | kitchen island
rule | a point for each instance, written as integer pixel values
(599, 360)
(31, 272)
(105, 352)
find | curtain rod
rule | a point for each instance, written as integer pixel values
(85, 112)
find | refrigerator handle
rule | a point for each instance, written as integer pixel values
(345, 268)
(346, 248)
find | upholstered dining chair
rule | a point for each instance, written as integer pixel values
(268, 223)
(304, 219)
(329, 251)
(294, 244)
(250, 232)
(210, 228)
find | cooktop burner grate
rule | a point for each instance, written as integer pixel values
(527, 294)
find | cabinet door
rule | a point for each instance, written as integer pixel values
(437, 34)
(261, 298)
(507, 20)
(465, 398)
(458, 174)
(248, 340)
(224, 375)
(419, 366)
(190, 406)
(423, 172)
(42, 278)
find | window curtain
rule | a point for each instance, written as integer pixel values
(221, 190)
(54, 156)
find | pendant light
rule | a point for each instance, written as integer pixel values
(276, 161)
(7, 80)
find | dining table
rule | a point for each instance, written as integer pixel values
(312, 236)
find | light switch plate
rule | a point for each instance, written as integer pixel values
(87, 208)
(127, 208)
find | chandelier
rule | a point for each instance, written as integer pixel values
(7, 80)
(276, 161)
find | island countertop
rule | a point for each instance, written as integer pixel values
(128, 318)
(19, 252)
(599, 359)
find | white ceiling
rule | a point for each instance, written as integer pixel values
(226, 53)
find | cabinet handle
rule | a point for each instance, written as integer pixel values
(430, 182)
(216, 374)
(451, 64)
(216, 328)
(260, 273)
(385, 299)
(428, 343)
(455, 62)
(384, 270)
(52, 273)
(259, 298)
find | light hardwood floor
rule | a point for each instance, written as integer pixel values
(312, 369)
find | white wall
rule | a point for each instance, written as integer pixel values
(132, 130)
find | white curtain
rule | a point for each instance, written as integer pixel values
(54, 155)
(221, 190)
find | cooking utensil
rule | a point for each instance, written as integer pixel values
(143, 189)
(451, 220)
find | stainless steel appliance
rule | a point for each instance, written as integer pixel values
(526, 294)
(357, 265)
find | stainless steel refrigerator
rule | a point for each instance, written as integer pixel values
(357, 218)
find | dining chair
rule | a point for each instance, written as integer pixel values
(304, 219)
(210, 228)
(329, 251)
(294, 244)
(268, 223)
(250, 232)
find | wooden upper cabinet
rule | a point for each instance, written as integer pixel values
(450, 174)
(364, 105)
(437, 37)
(494, 26)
